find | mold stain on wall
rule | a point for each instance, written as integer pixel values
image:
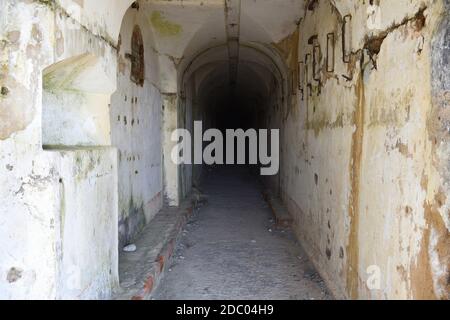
(163, 26)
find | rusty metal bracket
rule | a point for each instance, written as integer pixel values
(308, 68)
(331, 52)
(346, 38)
(317, 57)
(301, 78)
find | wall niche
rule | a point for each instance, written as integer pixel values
(75, 104)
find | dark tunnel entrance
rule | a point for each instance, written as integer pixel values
(250, 99)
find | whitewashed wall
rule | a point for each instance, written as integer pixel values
(136, 124)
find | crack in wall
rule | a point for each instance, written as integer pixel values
(372, 44)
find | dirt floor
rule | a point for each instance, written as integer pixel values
(230, 249)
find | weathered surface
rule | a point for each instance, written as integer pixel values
(136, 120)
(364, 151)
(362, 170)
(35, 35)
(86, 228)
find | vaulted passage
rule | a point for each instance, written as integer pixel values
(121, 129)
(232, 248)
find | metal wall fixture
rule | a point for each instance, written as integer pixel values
(308, 73)
(301, 78)
(294, 82)
(331, 52)
(317, 58)
(346, 38)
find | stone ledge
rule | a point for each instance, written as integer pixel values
(282, 217)
(141, 271)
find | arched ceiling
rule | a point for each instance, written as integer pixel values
(245, 32)
(186, 27)
(256, 74)
(101, 17)
(193, 33)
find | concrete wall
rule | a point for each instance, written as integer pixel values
(362, 180)
(37, 235)
(86, 233)
(75, 130)
(186, 120)
(136, 124)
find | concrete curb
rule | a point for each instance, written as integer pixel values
(150, 274)
(157, 269)
(282, 217)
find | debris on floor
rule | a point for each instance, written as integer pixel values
(130, 248)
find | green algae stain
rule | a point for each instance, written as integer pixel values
(163, 26)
